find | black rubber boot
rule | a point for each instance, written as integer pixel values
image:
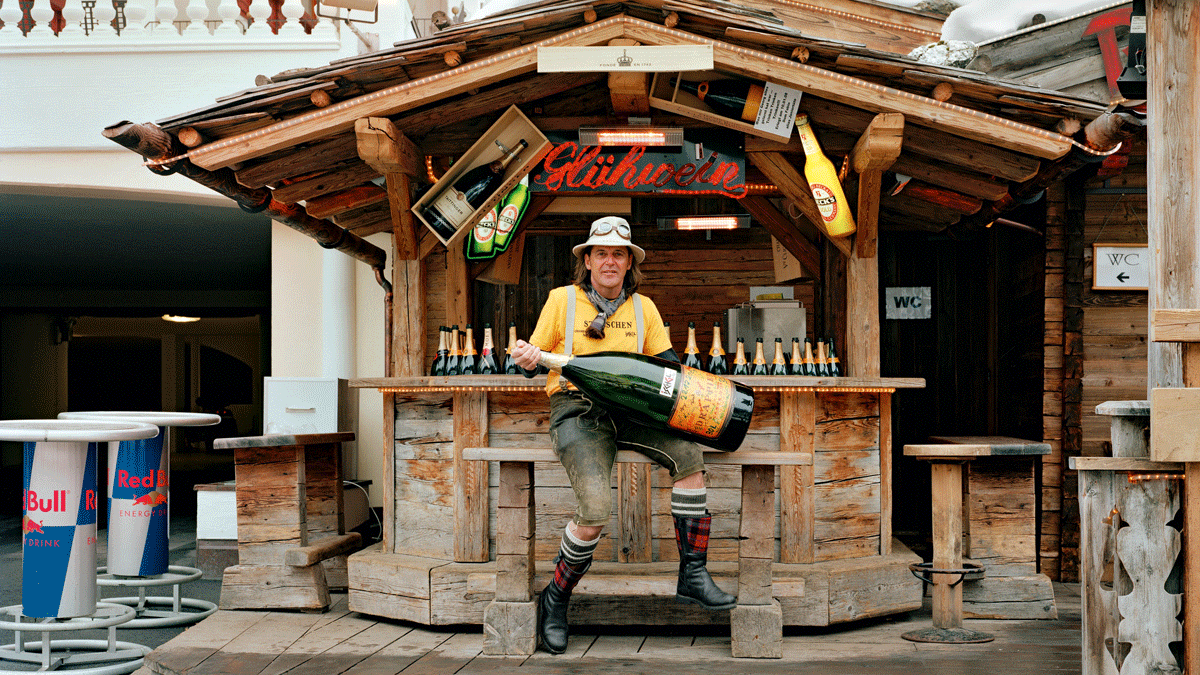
(695, 584)
(552, 605)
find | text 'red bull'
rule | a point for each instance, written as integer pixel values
(128, 481)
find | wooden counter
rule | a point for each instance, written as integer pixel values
(833, 524)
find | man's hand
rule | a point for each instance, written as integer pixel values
(526, 355)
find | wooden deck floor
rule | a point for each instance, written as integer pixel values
(340, 642)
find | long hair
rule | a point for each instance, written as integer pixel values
(583, 276)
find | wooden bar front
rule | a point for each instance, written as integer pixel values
(832, 526)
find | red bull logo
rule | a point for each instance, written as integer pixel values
(148, 481)
(57, 502)
(29, 526)
(151, 499)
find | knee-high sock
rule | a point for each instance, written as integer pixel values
(689, 502)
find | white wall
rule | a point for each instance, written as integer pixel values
(296, 334)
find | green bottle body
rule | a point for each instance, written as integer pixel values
(687, 402)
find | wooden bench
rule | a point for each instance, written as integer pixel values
(510, 620)
(291, 525)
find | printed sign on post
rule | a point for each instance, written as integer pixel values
(1120, 267)
(777, 111)
(907, 302)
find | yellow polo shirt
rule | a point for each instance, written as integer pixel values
(620, 331)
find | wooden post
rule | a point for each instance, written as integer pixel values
(470, 478)
(947, 543)
(1173, 151)
(634, 538)
(797, 421)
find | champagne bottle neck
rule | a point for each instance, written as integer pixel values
(487, 338)
(716, 346)
(691, 343)
(553, 361)
(509, 156)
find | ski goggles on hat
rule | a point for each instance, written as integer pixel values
(603, 227)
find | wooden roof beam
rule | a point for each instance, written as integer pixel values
(852, 91)
(875, 151)
(392, 101)
(794, 186)
(385, 149)
(337, 203)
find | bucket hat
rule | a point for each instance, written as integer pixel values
(610, 231)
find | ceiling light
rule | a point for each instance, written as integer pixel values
(730, 222)
(179, 319)
(632, 135)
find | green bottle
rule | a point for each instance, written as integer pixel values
(687, 402)
(482, 241)
(512, 209)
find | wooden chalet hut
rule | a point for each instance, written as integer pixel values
(947, 171)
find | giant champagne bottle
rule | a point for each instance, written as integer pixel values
(823, 182)
(738, 99)
(510, 366)
(689, 403)
(716, 355)
(691, 353)
(459, 201)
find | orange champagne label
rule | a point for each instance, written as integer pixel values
(704, 404)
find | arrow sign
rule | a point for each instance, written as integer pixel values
(1120, 267)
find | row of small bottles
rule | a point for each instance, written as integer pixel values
(456, 353)
(821, 363)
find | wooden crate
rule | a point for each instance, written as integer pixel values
(665, 96)
(512, 126)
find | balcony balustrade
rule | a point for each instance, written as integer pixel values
(25, 22)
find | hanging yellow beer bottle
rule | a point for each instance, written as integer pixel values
(823, 181)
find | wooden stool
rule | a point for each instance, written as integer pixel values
(947, 570)
(290, 519)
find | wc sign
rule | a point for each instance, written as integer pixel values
(907, 302)
(1120, 267)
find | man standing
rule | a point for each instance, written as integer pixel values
(602, 311)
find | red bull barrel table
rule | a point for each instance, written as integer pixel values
(58, 589)
(139, 519)
(59, 503)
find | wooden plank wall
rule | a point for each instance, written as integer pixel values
(1112, 333)
(1050, 533)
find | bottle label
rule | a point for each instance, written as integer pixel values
(485, 230)
(670, 377)
(453, 206)
(704, 404)
(826, 202)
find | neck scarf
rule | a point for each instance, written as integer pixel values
(605, 309)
